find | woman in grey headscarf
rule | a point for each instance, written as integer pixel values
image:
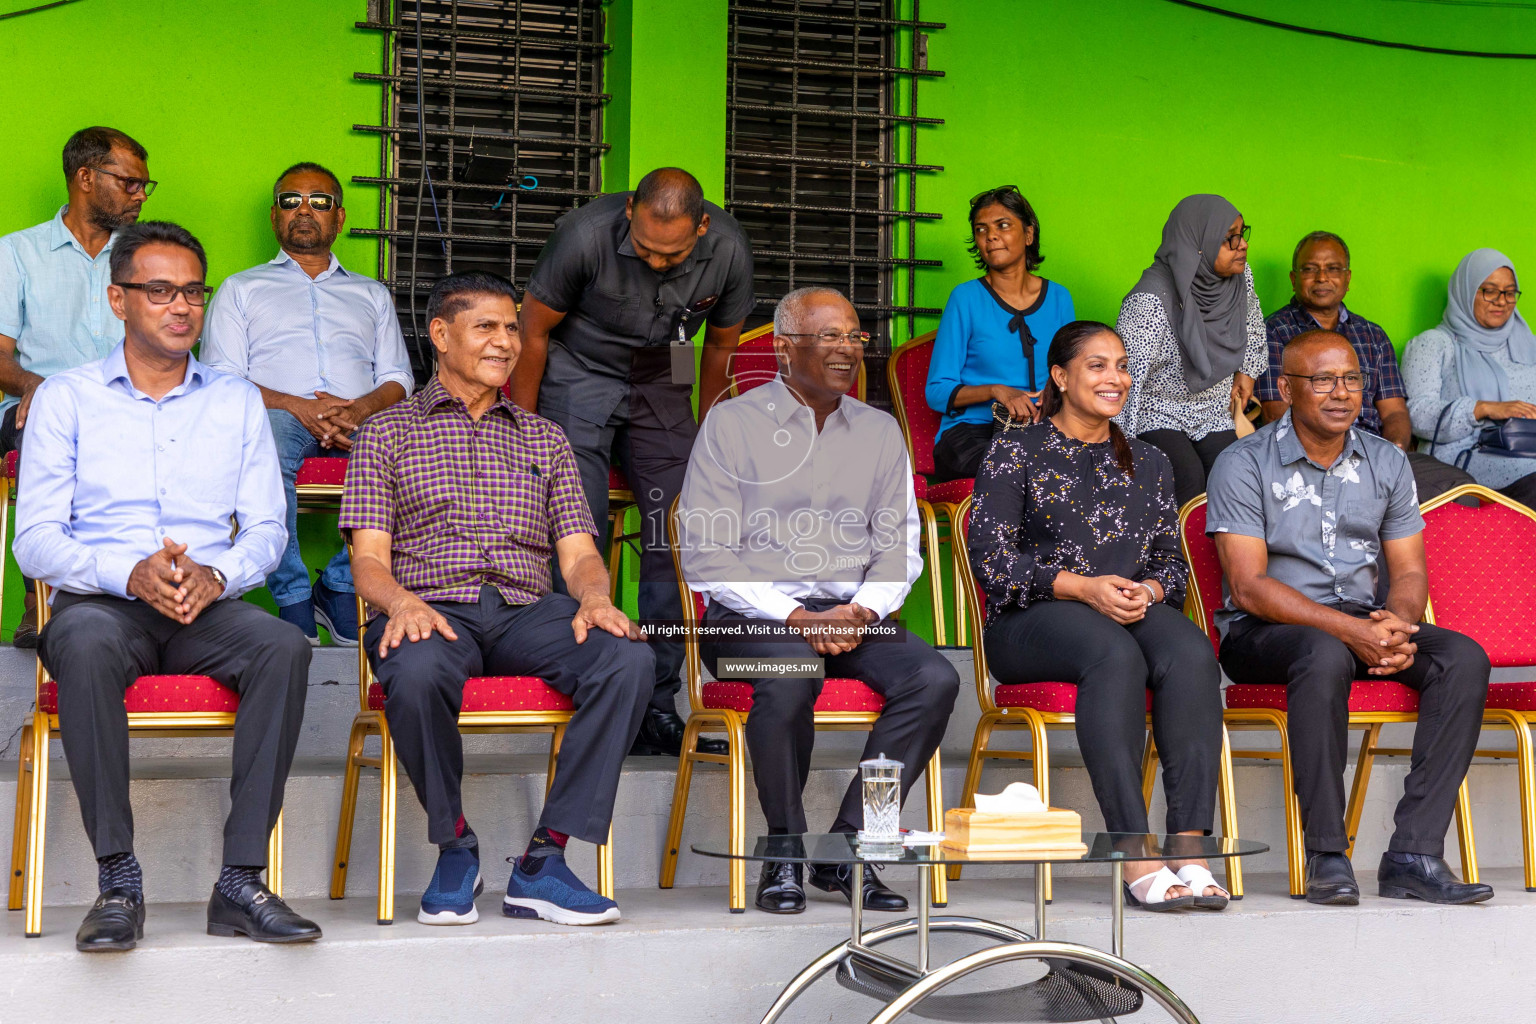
(1194, 335)
(1478, 366)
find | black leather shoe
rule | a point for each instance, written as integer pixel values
(258, 915)
(661, 734)
(1331, 880)
(114, 922)
(839, 878)
(1426, 878)
(778, 888)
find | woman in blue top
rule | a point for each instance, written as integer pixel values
(994, 334)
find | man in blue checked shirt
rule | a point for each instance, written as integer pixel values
(324, 347)
(54, 313)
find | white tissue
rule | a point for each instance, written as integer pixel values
(1016, 798)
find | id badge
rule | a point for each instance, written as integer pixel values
(682, 359)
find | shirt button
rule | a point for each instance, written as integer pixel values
(162, 490)
(159, 447)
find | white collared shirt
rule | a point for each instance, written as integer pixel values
(774, 513)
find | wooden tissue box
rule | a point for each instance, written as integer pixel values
(978, 833)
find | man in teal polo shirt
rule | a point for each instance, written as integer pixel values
(54, 314)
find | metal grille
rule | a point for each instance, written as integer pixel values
(491, 128)
(821, 154)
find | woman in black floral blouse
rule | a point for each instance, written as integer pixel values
(1074, 540)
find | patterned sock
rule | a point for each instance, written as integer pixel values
(119, 871)
(546, 842)
(233, 878)
(463, 837)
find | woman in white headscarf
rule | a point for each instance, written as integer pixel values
(1194, 335)
(1477, 367)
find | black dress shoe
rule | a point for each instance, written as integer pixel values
(1331, 880)
(839, 878)
(1426, 878)
(778, 888)
(661, 734)
(114, 922)
(258, 915)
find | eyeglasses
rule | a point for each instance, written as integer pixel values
(163, 293)
(1324, 383)
(859, 338)
(1492, 295)
(320, 202)
(1238, 237)
(995, 192)
(1313, 270)
(133, 186)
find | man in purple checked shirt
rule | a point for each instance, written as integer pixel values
(456, 499)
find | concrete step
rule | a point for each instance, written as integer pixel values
(679, 957)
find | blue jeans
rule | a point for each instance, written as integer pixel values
(289, 582)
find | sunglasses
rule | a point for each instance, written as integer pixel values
(320, 202)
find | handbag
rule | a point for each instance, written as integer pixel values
(1511, 438)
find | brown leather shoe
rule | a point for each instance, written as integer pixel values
(25, 636)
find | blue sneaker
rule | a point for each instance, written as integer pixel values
(337, 612)
(552, 892)
(302, 615)
(450, 899)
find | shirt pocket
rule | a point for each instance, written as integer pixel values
(524, 510)
(1361, 528)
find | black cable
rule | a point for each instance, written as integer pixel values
(1326, 33)
(34, 10)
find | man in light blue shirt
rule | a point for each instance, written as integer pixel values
(324, 347)
(54, 313)
(134, 468)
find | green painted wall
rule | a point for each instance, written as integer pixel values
(1106, 114)
(224, 94)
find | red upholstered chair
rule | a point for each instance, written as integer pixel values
(844, 705)
(158, 706)
(1481, 562)
(492, 704)
(754, 363)
(1373, 703)
(1046, 705)
(907, 375)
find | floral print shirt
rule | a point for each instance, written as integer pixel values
(1323, 525)
(1045, 502)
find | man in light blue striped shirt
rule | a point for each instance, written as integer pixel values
(324, 347)
(54, 314)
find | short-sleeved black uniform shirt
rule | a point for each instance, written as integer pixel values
(616, 306)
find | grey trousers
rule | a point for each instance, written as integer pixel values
(607, 678)
(96, 646)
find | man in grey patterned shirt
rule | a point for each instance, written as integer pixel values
(1301, 511)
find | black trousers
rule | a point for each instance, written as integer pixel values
(918, 684)
(1433, 478)
(958, 453)
(607, 678)
(1112, 667)
(1522, 490)
(1450, 672)
(96, 646)
(1192, 459)
(654, 457)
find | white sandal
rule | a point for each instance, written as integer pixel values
(1199, 879)
(1162, 881)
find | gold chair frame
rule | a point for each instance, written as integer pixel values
(369, 722)
(1368, 722)
(30, 830)
(733, 724)
(1519, 723)
(1037, 722)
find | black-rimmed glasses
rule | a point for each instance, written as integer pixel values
(995, 192)
(320, 202)
(163, 293)
(859, 338)
(133, 186)
(1238, 237)
(1492, 295)
(1324, 383)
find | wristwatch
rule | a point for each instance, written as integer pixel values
(223, 583)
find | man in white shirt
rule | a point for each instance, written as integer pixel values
(799, 522)
(323, 345)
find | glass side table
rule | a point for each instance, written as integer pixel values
(1084, 983)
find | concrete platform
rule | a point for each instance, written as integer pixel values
(679, 957)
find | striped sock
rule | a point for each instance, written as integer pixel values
(120, 871)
